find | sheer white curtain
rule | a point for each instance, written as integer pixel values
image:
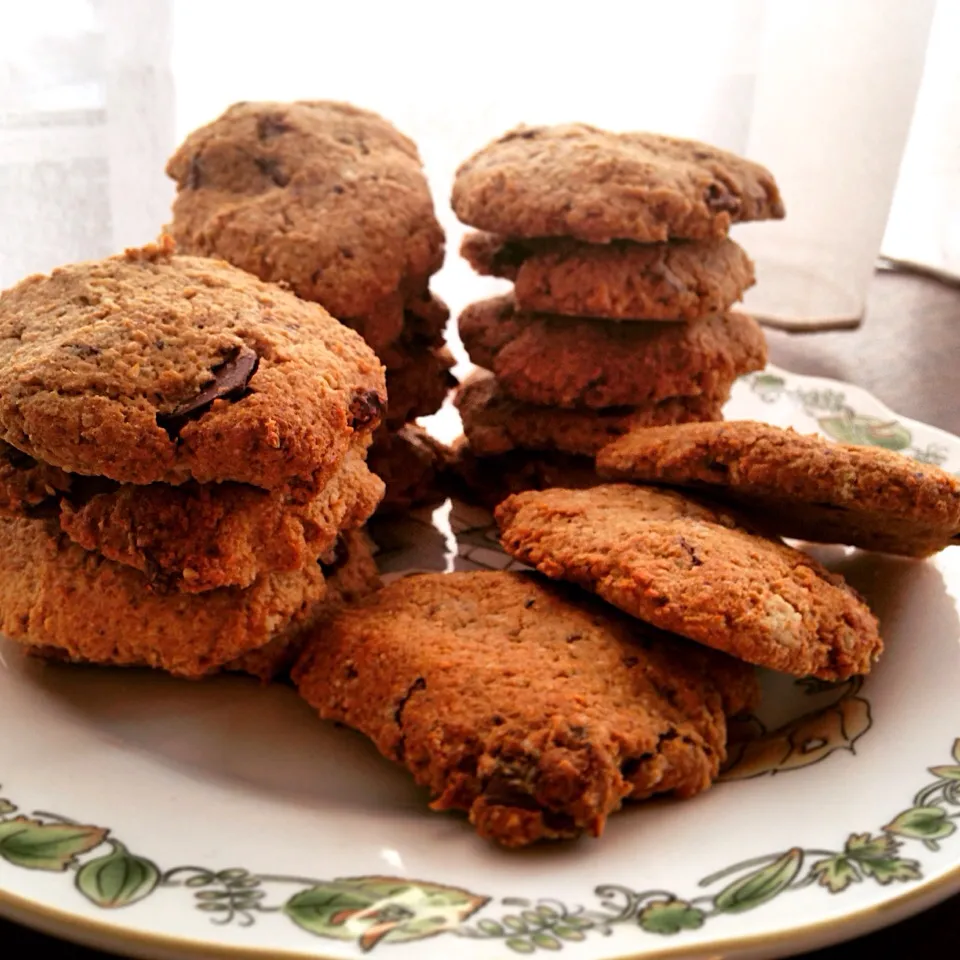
(95, 93)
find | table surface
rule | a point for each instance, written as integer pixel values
(906, 353)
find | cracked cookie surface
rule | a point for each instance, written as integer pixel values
(496, 423)
(321, 195)
(621, 280)
(153, 367)
(571, 362)
(692, 568)
(574, 180)
(536, 711)
(800, 486)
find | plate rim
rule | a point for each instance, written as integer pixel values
(51, 920)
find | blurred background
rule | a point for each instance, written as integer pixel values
(853, 104)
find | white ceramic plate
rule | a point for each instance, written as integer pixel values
(168, 819)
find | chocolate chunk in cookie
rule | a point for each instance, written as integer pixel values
(537, 712)
(697, 570)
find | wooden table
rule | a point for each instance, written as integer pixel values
(907, 353)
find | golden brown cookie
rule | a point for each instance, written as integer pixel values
(198, 537)
(622, 280)
(569, 362)
(26, 483)
(420, 383)
(577, 181)
(496, 423)
(151, 367)
(400, 322)
(411, 463)
(801, 486)
(324, 196)
(697, 570)
(53, 593)
(536, 711)
(489, 479)
(354, 580)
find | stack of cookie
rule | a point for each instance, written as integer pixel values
(182, 465)
(624, 278)
(332, 201)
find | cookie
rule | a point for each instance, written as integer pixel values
(496, 423)
(324, 196)
(536, 712)
(419, 385)
(568, 362)
(488, 480)
(356, 579)
(577, 181)
(151, 367)
(26, 483)
(199, 537)
(411, 463)
(801, 486)
(398, 320)
(697, 570)
(622, 280)
(423, 327)
(53, 593)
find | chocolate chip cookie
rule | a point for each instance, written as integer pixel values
(697, 570)
(621, 280)
(53, 593)
(489, 479)
(198, 537)
(535, 711)
(349, 583)
(496, 423)
(324, 196)
(569, 362)
(801, 486)
(575, 180)
(152, 367)
(411, 464)
(419, 384)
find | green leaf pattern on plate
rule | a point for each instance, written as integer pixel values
(374, 911)
(840, 422)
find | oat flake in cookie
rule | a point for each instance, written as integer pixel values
(800, 486)
(578, 181)
(154, 367)
(322, 195)
(697, 570)
(537, 712)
